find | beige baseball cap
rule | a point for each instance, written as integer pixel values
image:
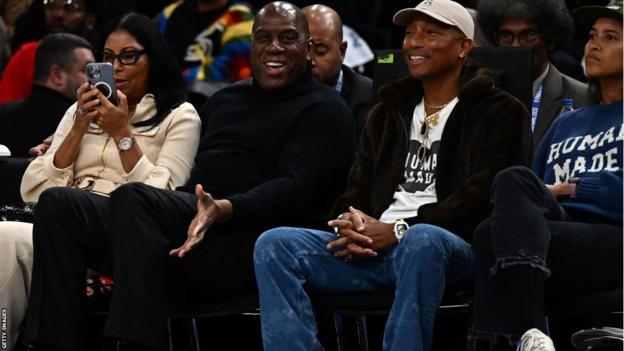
(445, 11)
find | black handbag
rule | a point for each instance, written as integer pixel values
(20, 212)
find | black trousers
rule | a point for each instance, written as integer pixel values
(127, 236)
(531, 249)
(11, 171)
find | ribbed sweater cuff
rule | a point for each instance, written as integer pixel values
(588, 188)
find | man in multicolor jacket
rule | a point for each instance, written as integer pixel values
(210, 38)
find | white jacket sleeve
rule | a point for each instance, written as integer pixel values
(168, 155)
(173, 164)
(41, 173)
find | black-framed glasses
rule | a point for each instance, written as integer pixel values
(525, 37)
(69, 6)
(129, 57)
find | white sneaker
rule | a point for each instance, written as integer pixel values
(535, 340)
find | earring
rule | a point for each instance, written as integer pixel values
(461, 55)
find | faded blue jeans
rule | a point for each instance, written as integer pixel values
(289, 262)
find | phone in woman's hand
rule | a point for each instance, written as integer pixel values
(102, 76)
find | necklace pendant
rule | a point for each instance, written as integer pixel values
(432, 120)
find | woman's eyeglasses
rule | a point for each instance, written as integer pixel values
(129, 57)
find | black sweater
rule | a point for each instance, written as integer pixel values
(281, 158)
(25, 123)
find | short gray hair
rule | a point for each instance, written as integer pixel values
(57, 49)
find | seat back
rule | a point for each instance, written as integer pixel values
(604, 302)
(512, 67)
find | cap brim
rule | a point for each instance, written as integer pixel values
(584, 17)
(404, 17)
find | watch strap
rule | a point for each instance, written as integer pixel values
(573, 182)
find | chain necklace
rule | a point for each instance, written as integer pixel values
(428, 122)
(431, 107)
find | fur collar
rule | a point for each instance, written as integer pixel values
(475, 81)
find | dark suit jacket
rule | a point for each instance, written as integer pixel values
(357, 91)
(25, 123)
(558, 86)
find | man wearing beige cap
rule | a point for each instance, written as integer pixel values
(417, 190)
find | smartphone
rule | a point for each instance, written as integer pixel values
(102, 76)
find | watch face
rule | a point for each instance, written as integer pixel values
(125, 144)
(399, 229)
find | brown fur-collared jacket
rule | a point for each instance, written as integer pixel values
(487, 131)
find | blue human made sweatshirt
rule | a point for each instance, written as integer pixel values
(586, 143)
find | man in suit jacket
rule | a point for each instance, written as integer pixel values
(556, 87)
(545, 26)
(328, 52)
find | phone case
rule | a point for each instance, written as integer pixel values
(102, 76)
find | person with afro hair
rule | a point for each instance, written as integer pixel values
(545, 26)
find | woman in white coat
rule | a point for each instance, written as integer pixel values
(151, 136)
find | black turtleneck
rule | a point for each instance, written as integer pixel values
(279, 157)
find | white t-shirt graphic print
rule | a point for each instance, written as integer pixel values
(418, 185)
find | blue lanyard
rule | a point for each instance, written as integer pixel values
(535, 106)
(338, 85)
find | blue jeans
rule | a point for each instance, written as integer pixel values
(291, 261)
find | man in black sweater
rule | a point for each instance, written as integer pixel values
(275, 151)
(59, 71)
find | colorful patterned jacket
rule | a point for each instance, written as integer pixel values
(212, 46)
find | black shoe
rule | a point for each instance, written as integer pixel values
(476, 343)
(29, 347)
(123, 345)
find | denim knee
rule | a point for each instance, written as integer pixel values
(270, 244)
(286, 244)
(426, 236)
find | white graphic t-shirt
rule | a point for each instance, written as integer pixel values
(418, 185)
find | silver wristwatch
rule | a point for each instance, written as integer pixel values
(400, 227)
(125, 144)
